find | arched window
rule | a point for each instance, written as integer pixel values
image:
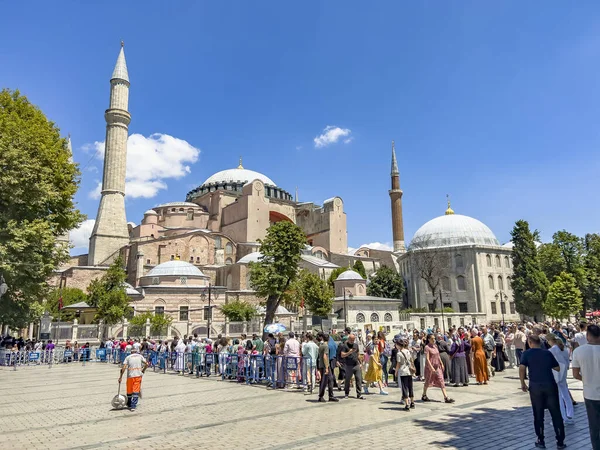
(374, 317)
(360, 288)
(508, 286)
(460, 283)
(228, 261)
(248, 285)
(387, 317)
(190, 214)
(500, 283)
(491, 282)
(229, 282)
(218, 242)
(360, 318)
(498, 262)
(228, 248)
(446, 284)
(459, 262)
(506, 261)
(180, 209)
(488, 260)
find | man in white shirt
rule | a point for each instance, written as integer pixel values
(310, 352)
(292, 350)
(586, 361)
(580, 338)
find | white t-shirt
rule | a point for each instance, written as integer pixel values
(587, 359)
(137, 346)
(581, 338)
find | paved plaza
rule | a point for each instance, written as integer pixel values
(68, 406)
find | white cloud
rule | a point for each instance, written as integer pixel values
(351, 250)
(332, 134)
(80, 237)
(150, 161)
(387, 246)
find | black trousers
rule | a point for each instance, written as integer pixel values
(545, 396)
(357, 372)
(326, 383)
(593, 413)
(406, 382)
(332, 364)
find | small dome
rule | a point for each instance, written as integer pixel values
(238, 176)
(175, 268)
(350, 275)
(151, 212)
(185, 204)
(250, 257)
(452, 230)
(130, 290)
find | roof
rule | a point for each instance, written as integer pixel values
(175, 268)
(130, 290)
(238, 175)
(453, 230)
(120, 71)
(356, 298)
(280, 310)
(350, 275)
(319, 262)
(250, 257)
(188, 204)
(151, 212)
(80, 305)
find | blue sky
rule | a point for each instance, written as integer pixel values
(496, 104)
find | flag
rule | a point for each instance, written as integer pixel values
(60, 303)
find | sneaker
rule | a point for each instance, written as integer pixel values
(359, 397)
(383, 393)
(448, 400)
(407, 408)
(560, 446)
(322, 400)
(412, 405)
(569, 421)
(333, 399)
(540, 444)
(345, 396)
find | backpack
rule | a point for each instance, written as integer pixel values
(387, 350)
(489, 345)
(249, 344)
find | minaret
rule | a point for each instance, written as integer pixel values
(396, 197)
(110, 231)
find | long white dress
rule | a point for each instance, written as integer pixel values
(180, 360)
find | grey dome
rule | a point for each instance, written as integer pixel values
(175, 268)
(453, 230)
(350, 275)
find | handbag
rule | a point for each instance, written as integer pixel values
(411, 365)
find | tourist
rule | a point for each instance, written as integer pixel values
(179, 366)
(280, 378)
(434, 370)
(479, 358)
(385, 352)
(135, 365)
(310, 353)
(509, 346)
(291, 350)
(459, 372)
(543, 391)
(498, 359)
(580, 338)
(374, 373)
(586, 361)
(520, 341)
(405, 370)
(332, 359)
(416, 348)
(324, 368)
(444, 349)
(340, 362)
(489, 346)
(562, 356)
(349, 354)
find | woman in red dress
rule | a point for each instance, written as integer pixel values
(434, 370)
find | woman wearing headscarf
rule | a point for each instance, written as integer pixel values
(180, 357)
(479, 359)
(498, 360)
(459, 372)
(444, 349)
(561, 354)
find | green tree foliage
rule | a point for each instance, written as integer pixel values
(591, 263)
(335, 273)
(37, 184)
(529, 283)
(551, 260)
(108, 295)
(386, 283)
(360, 268)
(158, 324)
(564, 297)
(317, 293)
(272, 275)
(238, 311)
(70, 296)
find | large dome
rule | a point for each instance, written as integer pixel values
(238, 175)
(453, 230)
(175, 268)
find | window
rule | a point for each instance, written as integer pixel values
(460, 283)
(507, 283)
(197, 260)
(449, 322)
(491, 282)
(488, 260)
(183, 280)
(180, 209)
(498, 262)
(360, 318)
(436, 322)
(172, 257)
(447, 305)
(173, 209)
(374, 317)
(422, 323)
(218, 242)
(192, 259)
(387, 317)
(228, 248)
(463, 307)
(431, 307)
(500, 283)
(155, 280)
(462, 321)
(494, 308)
(190, 215)
(513, 310)
(459, 262)
(183, 313)
(207, 313)
(147, 261)
(503, 307)
(228, 261)
(446, 284)
(159, 310)
(506, 261)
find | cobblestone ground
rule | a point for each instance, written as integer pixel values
(68, 406)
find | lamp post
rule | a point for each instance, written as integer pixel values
(209, 315)
(345, 308)
(502, 297)
(442, 308)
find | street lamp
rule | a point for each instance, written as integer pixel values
(442, 308)
(209, 315)
(502, 297)
(346, 309)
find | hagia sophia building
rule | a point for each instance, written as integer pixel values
(189, 253)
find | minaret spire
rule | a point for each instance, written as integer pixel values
(449, 211)
(110, 232)
(396, 198)
(240, 165)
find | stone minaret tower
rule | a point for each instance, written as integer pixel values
(396, 197)
(110, 231)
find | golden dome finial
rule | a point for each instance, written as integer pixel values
(240, 166)
(449, 211)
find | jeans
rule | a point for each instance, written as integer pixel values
(384, 366)
(326, 383)
(518, 354)
(593, 413)
(357, 372)
(545, 396)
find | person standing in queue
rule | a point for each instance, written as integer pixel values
(324, 369)
(349, 353)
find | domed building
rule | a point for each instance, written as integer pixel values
(471, 269)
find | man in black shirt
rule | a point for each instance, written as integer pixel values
(543, 390)
(324, 368)
(349, 354)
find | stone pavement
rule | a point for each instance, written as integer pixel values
(68, 406)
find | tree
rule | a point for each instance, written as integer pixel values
(360, 268)
(158, 324)
(108, 295)
(70, 296)
(238, 311)
(277, 268)
(564, 297)
(335, 273)
(317, 293)
(430, 262)
(551, 260)
(386, 283)
(591, 263)
(37, 183)
(529, 283)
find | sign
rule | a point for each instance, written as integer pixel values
(210, 358)
(292, 363)
(101, 353)
(44, 336)
(34, 356)
(68, 353)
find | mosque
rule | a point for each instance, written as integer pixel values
(186, 258)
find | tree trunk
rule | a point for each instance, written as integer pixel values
(271, 307)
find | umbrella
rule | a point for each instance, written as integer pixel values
(275, 328)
